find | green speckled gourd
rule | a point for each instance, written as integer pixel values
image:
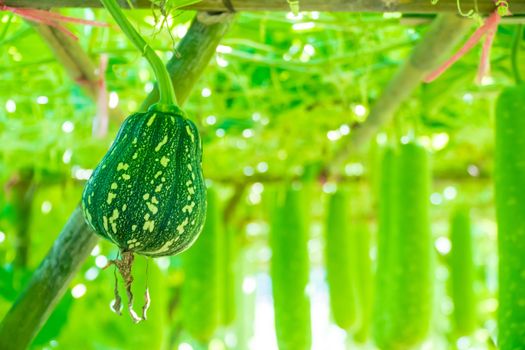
(148, 195)
(509, 182)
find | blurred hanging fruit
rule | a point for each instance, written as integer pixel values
(509, 178)
(201, 291)
(289, 270)
(462, 273)
(407, 316)
(384, 276)
(340, 250)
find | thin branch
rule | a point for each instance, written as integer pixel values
(51, 279)
(76, 62)
(70, 54)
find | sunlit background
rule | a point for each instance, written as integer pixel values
(281, 95)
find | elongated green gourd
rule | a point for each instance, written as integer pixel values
(509, 178)
(340, 250)
(289, 269)
(462, 273)
(385, 235)
(151, 334)
(364, 282)
(228, 267)
(412, 261)
(147, 195)
(200, 295)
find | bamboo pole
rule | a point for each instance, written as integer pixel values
(74, 244)
(445, 32)
(405, 6)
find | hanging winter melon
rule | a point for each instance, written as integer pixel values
(201, 291)
(462, 273)
(412, 261)
(403, 308)
(381, 318)
(289, 270)
(509, 178)
(364, 282)
(340, 258)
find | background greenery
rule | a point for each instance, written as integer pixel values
(281, 95)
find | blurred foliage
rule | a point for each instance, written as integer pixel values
(282, 92)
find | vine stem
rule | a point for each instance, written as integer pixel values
(167, 96)
(515, 51)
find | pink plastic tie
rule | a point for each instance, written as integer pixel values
(489, 28)
(50, 18)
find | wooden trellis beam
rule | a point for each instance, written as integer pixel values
(405, 6)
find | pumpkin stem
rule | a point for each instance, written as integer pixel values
(117, 305)
(147, 299)
(124, 265)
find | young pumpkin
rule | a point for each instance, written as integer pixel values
(147, 195)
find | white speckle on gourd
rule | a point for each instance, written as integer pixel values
(164, 161)
(153, 208)
(111, 196)
(188, 208)
(190, 133)
(122, 166)
(149, 225)
(151, 119)
(161, 143)
(180, 228)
